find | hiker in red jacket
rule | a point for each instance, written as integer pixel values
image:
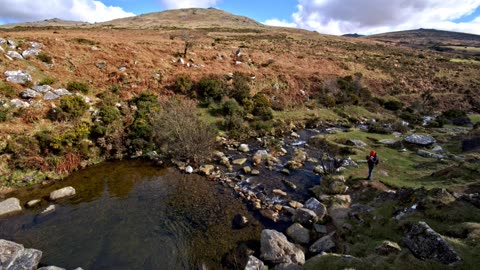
(372, 160)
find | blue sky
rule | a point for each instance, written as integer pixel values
(325, 16)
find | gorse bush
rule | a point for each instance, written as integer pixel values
(262, 107)
(393, 105)
(182, 85)
(211, 89)
(70, 108)
(78, 87)
(241, 87)
(109, 114)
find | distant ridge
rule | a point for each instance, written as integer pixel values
(432, 34)
(355, 35)
(55, 22)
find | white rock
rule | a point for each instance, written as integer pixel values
(32, 203)
(35, 45)
(243, 148)
(42, 88)
(10, 205)
(62, 193)
(50, 209)
(30, 53)
(14, 54)
(17, 103)
(62, 92)
(189, 169)
(50, 96)
(17, 76)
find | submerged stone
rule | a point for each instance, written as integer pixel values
(62, 193)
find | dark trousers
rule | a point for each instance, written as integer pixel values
(370, 170)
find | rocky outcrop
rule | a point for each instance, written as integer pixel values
(254, 264)
(17, 103)
(428, 154)
(15, 256)
(62, 193)
(276, 249)
(9, 206)
(14, 54)
(298, 234)
(422, 140)
(29, 94)
(323, 244)
(427, 244)
(356, 143)
(17, 76)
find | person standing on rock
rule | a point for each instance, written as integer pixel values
(372, 160)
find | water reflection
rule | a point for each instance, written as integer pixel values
(129, 215)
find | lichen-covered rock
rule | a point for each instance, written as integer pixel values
(50, 96)
(17, 103)
(357, 143)
(287, 266)
(62, 92)
(30, 53)
(9, 206)
(427, 244)
(276, 249)
(42, 88)
(52, 267)
(299, 234)
(17, 76)
(423, 140)
(428, 154)
(29, 94)
(62, 193)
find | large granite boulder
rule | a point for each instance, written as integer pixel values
(276, 249)
(254, 264)
(15, 256)
(422, 140)
(14, 54)
(357, 143)
(17, 103)
(29, 94)
(17, 76)
(427, 244)
(62, 193)
(9, 206)
(31, 52)
(298, 234)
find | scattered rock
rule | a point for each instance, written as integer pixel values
(427, 244)
(17, 76)
(14, 54)
(279, 192)
(206, 169)
(42, 88)
(423, 140)
(319, 169)
(29, 94)
(247, 169)
(319, 208)
(295, 204)
(15, 256)
(285, 171)
(189, 169)
(239, 161)
(9, 206)
(50, 209)
(239, 221)
(270, 214)
(357, 143)
(323, 244)
(391, 143)
(62, 193)
(50, 96)
(298, 234)
(17, 103)
(35, 45)
(276, 249)
(101, 65)
(254, 264)
(243, 148)
(62, 92)
(33, 203)
(255, 172)
(305, 216)
(387, 248)
(427, 154)
(30, 53)
(320, 228)
(51, 268)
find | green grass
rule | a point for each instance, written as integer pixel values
(465, 61)
(302, 114)
(475, 118)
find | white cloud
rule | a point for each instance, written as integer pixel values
(176, 4)
(77, 10)
(376, 16)
(281, 23)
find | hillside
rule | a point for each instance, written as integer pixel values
(55, 23)
(185, 18)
